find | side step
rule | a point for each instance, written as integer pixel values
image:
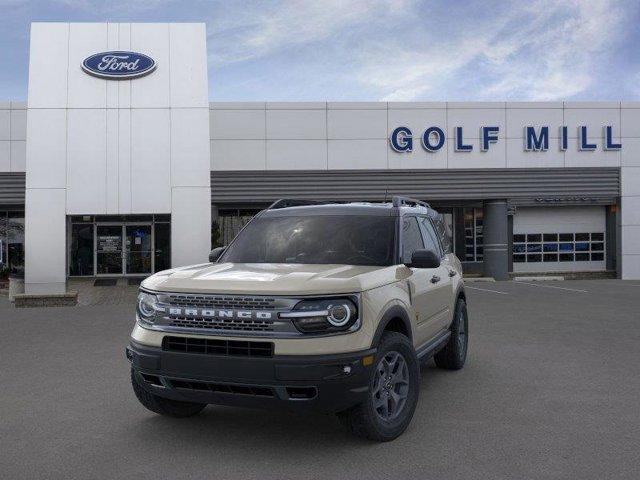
(427, 350)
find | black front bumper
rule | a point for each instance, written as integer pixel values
(324, 383)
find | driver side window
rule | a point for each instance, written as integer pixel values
(430, 237)
(411, 238)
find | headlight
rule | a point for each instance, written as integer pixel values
(340, 314)
(324, 315)
(146, 306)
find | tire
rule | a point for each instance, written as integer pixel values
(402, 387)
(454, 354)
(164, 406)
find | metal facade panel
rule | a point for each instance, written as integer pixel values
(514, 184)
(525, 186)
(12, 188)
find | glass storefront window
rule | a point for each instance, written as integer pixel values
(109, 249)
(81, 252)
(15, 242)
(163, 246)
(473, 238)
(228, 224)
(132, 245)
(138, 248)
(4, 267)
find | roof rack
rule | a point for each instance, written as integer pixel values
(399, 201)
(290, 202)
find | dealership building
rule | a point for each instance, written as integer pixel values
(118, 165)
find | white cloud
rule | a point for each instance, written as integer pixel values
(407, 50)
(403, 49)
(416, 74)
(260, 29)
(106, 7)
(562, 55)
(546, 51)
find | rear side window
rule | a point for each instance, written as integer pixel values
(430, 237)
(411, 238)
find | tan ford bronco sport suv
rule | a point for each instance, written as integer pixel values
(325, 307)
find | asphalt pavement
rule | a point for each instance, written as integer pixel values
(551, 390)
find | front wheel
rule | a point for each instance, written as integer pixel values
(164, 406)
(454, 354)
(393, 392)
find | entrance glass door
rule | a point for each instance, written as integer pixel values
(117, 245)
(139, 249)
(108, 249)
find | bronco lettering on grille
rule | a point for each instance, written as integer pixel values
(215, 313)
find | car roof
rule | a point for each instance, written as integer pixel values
(353, 208)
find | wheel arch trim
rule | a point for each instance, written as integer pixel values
(393, 312)
(460, 293)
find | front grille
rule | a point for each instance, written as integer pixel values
(249, 325)
(223, 301)
(207, 346)
(254, 390)
(225, 314)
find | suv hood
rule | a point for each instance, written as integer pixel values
(271, 278)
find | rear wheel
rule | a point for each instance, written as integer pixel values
(164, 406)
(393, 392)
(454, 354)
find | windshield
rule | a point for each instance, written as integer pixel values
(348, 240)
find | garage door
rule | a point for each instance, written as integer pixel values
(559, 239)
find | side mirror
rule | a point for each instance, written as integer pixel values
(215, 254)
(424, 259)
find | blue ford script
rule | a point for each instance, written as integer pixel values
(118, 65)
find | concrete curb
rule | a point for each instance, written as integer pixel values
(538, 278)
(69, 299)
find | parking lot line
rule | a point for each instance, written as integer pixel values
(486, 290)
(552, 286)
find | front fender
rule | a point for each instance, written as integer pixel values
(393, 312)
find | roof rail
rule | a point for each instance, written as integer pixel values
(290, 202)
(399, 201)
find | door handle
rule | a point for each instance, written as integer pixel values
(452, 273)
(435, 279)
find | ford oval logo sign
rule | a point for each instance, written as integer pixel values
(118, 65)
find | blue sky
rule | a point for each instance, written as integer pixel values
(363, 50)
